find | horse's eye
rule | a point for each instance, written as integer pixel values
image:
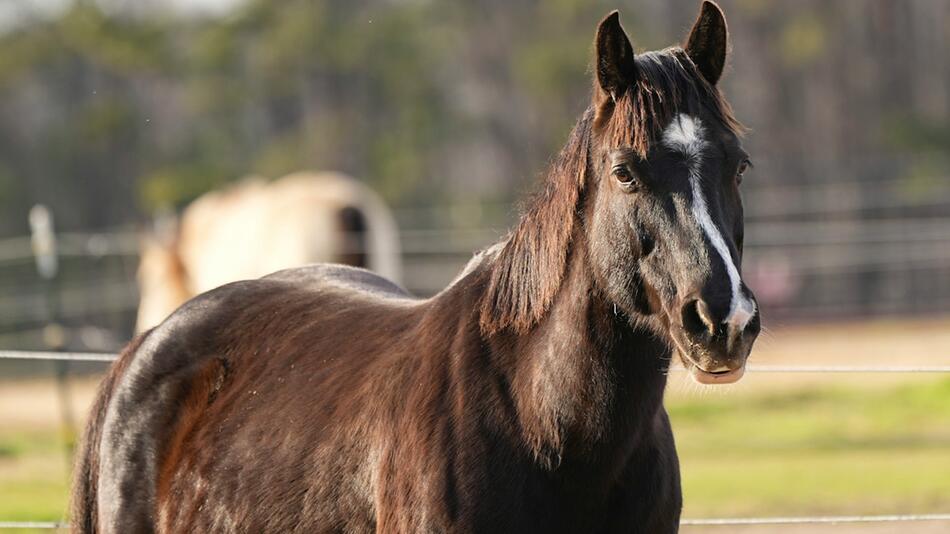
(743, 167)
(624, 176)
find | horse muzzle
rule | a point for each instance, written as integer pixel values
(715, 352)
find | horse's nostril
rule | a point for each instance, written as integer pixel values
(696, 318)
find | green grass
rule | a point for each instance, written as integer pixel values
(828, 450)
(814, 449)
(33, 475)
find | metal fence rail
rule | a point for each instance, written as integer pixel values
(60, 356)
(827, 267)
(36, 525)
(753, 368)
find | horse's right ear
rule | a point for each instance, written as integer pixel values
(614, 63)
(708, 42)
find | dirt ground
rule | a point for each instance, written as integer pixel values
(34, 403)
(883, 342)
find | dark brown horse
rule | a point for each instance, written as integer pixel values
(526, 397)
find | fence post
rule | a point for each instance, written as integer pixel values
(43, 239)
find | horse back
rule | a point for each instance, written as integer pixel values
(168, 383)
(322, 276)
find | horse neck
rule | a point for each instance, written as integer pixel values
(583, 378)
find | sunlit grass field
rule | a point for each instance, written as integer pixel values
(832, 449)
(33, 471)
(816, 450)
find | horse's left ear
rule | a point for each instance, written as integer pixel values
(708, 41)
(614, 62)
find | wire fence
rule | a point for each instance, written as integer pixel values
(734, 521)
(755, 368)
(801, 269)
(426, 241)
(62, 356)
(35, 525)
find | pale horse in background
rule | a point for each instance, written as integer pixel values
(256, 227)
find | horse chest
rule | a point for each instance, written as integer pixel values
(478, 484)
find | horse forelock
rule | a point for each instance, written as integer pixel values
(668, 84)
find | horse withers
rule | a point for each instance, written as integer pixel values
(525, 397)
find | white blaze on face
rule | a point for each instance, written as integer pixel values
(686, 135)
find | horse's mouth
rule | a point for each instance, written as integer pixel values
(725, 376)
(712, 376)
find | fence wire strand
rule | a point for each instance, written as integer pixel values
(62, 356)
(36, 525)
(753, 368)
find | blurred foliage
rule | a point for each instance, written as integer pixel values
(109, 110)
(803, 39)
(928, 141)
(918, 134)
(126, 112)
(170, 107)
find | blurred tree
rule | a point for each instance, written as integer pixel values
(111, 109)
